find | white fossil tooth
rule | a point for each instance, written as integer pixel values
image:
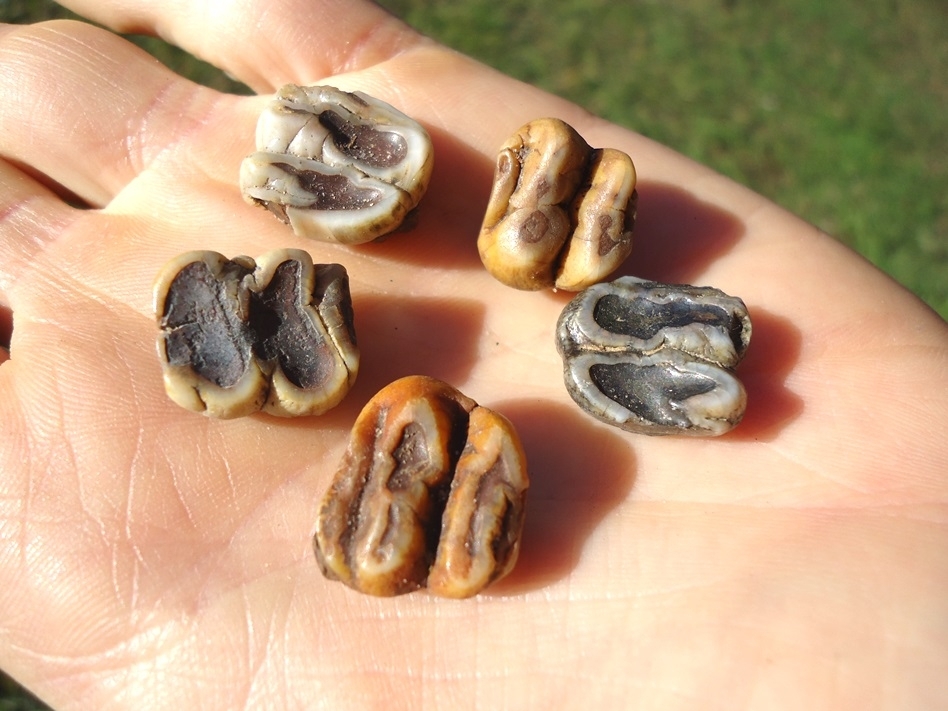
(337, 166)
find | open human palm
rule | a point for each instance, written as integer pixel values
(154, 558)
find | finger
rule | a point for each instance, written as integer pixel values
(30, 217)
(265, 45)
(87, 108)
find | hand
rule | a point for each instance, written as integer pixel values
(154, 558)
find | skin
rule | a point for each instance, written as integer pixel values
(152, 558)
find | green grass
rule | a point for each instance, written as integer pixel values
(835, 110)
(15, 698)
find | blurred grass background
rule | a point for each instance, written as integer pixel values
(835, 110)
